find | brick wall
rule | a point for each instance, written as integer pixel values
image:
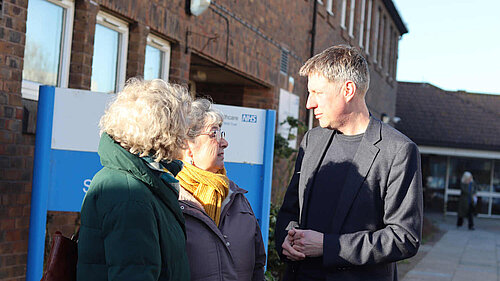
(16, 149)
(138, 35)
(244, 37)
(381, 97)
(82, 46)
(220, 94)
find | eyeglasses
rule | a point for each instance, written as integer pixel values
(217, 134)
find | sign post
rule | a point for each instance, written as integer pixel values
(66, 159)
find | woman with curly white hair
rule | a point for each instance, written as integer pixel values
(131, 224)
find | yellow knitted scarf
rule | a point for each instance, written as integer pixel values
(207, 187)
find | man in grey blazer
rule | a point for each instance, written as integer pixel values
(354, 206)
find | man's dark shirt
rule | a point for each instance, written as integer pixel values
(324, 194)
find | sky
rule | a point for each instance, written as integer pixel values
(451, 44)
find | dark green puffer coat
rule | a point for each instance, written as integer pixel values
(131, 224)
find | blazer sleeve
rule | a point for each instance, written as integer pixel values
(289, 210)
(403, 215)
(131, 242)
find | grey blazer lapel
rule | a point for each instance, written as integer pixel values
(310, 164)
(361, 164)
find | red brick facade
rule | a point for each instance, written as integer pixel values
(16, 149)
(245, 38)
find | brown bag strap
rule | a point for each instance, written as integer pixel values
(75, 236)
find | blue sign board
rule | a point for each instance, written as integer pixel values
(66, 159)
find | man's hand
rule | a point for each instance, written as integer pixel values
(288, 249)
(307, 242)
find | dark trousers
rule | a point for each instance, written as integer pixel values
(470, 218)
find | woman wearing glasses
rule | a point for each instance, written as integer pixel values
(224, 241)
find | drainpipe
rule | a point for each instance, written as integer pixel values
(313, 37)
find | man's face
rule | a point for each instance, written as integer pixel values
(327, 101)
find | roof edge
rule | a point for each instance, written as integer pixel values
(395, 16)
(459, 145)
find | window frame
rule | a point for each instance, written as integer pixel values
(362, 23)
(29, 89)
(378, 13)
(120, 26)
(329, 7)
(343, 16)
(164, 46)
(352, 11)
(382, 41)
(369, 26)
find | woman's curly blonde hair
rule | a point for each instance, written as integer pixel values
(149, 118)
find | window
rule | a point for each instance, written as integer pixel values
(351, 18)
(481, 170)
(157, 60)
(329, 6)
(110, 54)
(390, 57)
(381, 42)
(495, 206)
(368, 26)
(284, 62)
(376, 34)
(362, 23)
(344, 14)
(395, 55)
(48, 45)
(434, 178)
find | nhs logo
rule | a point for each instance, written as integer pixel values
(250, 118)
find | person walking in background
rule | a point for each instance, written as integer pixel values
(224, 241)
(354, 204)
(467, 201)
(131, 225)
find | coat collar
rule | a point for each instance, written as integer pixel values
(361, 164)
(116, 157)
(312, 161)
(192, 207)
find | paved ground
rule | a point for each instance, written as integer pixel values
(459, 254)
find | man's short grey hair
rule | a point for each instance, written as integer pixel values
(340, 64)
(203, 115)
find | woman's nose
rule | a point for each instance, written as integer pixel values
(223, 143)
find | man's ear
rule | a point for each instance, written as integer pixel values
(349, 90)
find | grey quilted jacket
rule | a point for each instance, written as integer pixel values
(232, 251)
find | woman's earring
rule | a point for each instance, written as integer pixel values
(191, 161)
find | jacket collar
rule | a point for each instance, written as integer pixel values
(116, 157)
(192, 207)
(361, 164)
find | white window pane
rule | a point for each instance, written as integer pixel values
(351, 18)
(329, 6)
(152, 65)
(344, 13)
(105, 61)
(362, 23)
(43, 42)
